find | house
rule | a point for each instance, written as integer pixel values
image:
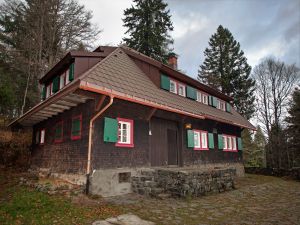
(109, 112)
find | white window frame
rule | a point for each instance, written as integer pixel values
(199, 96)
(62, 81)
(229, 143)
(48, 91)
(67, 77)
(205, 98)
(183, 89)
(129, 133)
(234, 143)
(197, 136)
(51, 88)
(42, 136)
(204, 144)
(175, 86)
(200, 140)
(225, 142)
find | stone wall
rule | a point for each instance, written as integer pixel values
(183, 183)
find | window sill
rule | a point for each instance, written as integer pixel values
(124, 145)
(201, 149)
(228, 150)
(75, 137)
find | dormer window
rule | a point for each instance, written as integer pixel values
(62, 80)
(221, 105)
(48, 91)
(199, 96)
(67, 77)
(204, 98)
(181, 89)
(173, 86)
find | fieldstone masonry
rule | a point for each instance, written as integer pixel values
(182, 183)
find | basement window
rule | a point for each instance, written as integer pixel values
(124, 177)
(125, 133)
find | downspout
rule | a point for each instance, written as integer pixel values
(88, 169)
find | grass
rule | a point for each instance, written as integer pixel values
(23, 205)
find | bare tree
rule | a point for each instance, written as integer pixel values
(274, 83)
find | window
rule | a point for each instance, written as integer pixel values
(42, 137)
(221, 105)
(62, 81)
(76, 127)
(229, 143)
(181, 90)
(48, 91)
(200, 140)
(58, 135)
(197, 140)
(204, 98)
(125, 133)
(37, 137)
(199, 96)
(51, 89)
(173, 87)
(67, 77)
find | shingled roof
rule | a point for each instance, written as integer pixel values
(117, 74)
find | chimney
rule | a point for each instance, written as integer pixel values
(172, 60)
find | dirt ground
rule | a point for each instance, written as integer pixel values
(256, 200)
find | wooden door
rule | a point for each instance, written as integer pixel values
(161, 154)
(172, 147)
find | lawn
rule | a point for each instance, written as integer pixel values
(23, 205)
(256, 200)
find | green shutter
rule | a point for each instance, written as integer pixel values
(44, 93)
(228, 107)
(58, 132)
(165, 82)
(239, 142)
(110, 130)
(55, 85)
(210, 100)
(214, 102)
(191, 92)
(220, 141)
(190, 139)
(71, 72)
(76, 127)
(211, 143)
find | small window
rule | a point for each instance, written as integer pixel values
(221, 105)
(51, 89)
(199, 96)
(200, 140)
(125, 133)
(76, 128)
(234, 143)
(62, 81)
(42, 137)
(173, 86)
(204, 98)
(48, 91)
(124, 177)
(229, 145)
(181, 90)
(58, 135)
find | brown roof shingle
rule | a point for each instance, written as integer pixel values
(118, 73)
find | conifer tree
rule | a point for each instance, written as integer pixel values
(294, 130)
(225, 68)
(259, 148)
(148, 24)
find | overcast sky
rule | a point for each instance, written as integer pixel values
(263, 27)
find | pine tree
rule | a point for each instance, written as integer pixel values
(226, 69)
(247, 148)
(148, 24)
(259, 148)
(294, 130)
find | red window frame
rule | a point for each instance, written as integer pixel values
(42, 143)
(227, 149)
(76, 137)
(130, 144)
(62, 132)
(201, 148)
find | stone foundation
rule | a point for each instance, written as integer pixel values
(183, 182)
